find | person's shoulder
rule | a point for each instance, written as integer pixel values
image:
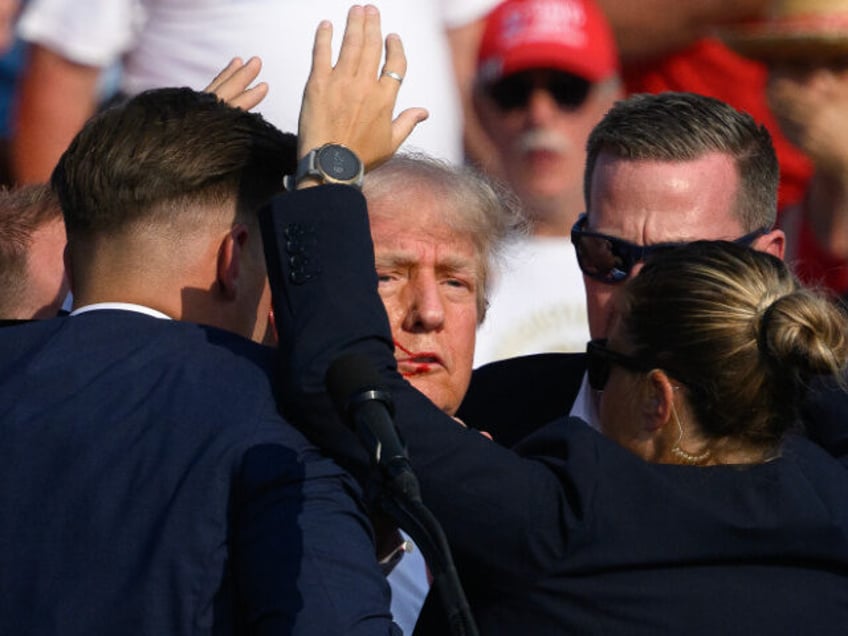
(220, 342)
(825, 417)
(224, 379)
(512, 398)
(197, 360)
(813, 459)
(215, 357)
(18, 337)
(569, 365)
(169, 338)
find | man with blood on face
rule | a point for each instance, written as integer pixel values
(436, 228)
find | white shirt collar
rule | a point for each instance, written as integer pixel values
(139, 309)
(585, 406)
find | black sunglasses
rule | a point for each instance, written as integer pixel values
(610, 259)
(514, 91)
(599, 361)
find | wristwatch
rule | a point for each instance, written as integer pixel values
(331, 163)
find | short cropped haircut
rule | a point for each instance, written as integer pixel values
(738, 330)
(22, 211)
(478, 207)
(683, 127)
(165, 150)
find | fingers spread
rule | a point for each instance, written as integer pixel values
(349, 103)
(231, 84)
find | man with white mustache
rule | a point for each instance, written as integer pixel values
(547, 72)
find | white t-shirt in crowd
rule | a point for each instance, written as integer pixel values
(186, 43)
(537, 303)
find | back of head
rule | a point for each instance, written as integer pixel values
(473, 204)
(23, 211)
(677, 127)
(163, 151)
(736, 328)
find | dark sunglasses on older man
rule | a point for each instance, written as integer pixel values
(610, 259)
(514, 91)
(599, 361)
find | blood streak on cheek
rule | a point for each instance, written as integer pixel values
(401, 347)
(422, 367)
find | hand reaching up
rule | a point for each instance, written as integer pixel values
(232, 84)
(351, 103)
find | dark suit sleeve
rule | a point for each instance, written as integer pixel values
(511, 399)
(477, 489)
(303, 556)
(825, 417)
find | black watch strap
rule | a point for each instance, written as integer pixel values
(331, 163)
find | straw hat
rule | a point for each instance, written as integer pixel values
(793, 30)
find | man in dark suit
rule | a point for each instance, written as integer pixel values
(660, 169)
(148, 483)
(667, 168)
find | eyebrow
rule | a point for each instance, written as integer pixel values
(459, 265)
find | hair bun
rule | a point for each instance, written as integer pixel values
(805, 331)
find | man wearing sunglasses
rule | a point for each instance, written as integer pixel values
(547, 72)
(660, 170)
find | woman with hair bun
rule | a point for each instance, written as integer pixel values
(713, 349)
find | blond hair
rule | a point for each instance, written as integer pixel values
(474, 205)
(739, 331)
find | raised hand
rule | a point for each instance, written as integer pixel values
(232, 84)
(352, 104)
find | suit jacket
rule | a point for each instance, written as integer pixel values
(568, 532)
(149, 486)
(513, 398)
(825, 417)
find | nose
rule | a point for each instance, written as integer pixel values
(541, 107)
(425, 306)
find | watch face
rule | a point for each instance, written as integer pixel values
(338, 163)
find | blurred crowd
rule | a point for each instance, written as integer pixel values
(484, 72)
(666, 181)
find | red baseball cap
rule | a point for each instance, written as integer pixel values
(569, 35)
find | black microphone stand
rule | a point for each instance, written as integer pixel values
(401, 500)
(353, 384)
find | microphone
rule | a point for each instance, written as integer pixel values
(354, 386)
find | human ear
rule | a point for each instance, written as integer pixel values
(658, 402)
(230, 254)
(773, 243)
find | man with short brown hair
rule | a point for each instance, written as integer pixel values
(32, 239)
